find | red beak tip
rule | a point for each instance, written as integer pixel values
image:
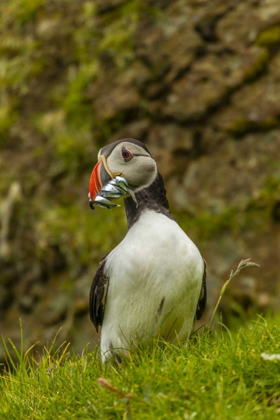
(95, 182)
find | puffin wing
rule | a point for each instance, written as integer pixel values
(202, 297)
(98, 294)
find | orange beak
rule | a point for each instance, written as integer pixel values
(95, 183)
(100, 176)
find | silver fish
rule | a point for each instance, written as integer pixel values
(111, 191)
(116, 188)
(105, 202)
(120, 183)
(133, 196)
(121, 180)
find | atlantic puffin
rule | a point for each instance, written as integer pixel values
(153, 284)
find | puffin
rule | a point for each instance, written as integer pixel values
(153, 283)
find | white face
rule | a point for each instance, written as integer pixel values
(133, 163)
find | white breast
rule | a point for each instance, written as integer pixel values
(155, 279)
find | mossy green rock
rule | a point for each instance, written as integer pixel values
(197, 81)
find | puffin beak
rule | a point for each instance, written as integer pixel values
(100, 176)
(105, 186)
(95, 184)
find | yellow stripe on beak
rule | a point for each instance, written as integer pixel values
(103, 160)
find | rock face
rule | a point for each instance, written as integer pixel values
(198, 82)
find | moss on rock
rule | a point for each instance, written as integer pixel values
(269, 37)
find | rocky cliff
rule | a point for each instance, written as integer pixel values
(197, 81)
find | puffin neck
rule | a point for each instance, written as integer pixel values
(150, 198)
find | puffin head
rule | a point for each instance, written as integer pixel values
(127, 158)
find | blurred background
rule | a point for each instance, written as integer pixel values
(198, 82)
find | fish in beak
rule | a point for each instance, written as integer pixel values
(103, 186)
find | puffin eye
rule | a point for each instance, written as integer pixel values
(126, 154)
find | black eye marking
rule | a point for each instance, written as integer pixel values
(126, 154)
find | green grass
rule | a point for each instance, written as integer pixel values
(219, 375)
